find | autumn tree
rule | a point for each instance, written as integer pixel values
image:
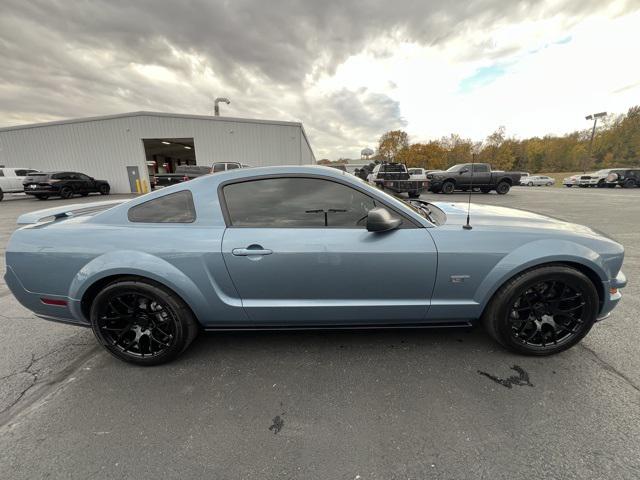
(392, 143)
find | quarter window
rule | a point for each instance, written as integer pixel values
(296, 203)
(218, 167)
(172, 208)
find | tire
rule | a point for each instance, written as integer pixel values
(104, 189)
(448, 187)
(504, 318)
(630, 183)
(485, 190)
(42, 197)
(601, 184)
(502, 188)
(66, 193)
(179, 327)
(530, 184)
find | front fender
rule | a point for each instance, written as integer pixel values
(536, 253)
(131, 262)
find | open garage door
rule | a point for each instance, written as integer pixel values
(165, 154)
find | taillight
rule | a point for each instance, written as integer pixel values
(185, 178)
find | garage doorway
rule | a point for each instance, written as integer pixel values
(165, 154)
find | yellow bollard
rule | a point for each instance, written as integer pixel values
(138, 189)
(145, 188)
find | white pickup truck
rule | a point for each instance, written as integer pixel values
(11, 180)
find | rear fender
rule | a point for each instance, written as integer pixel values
(130, 262)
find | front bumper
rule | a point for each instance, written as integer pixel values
(612, 294)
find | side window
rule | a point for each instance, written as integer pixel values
(82, 176)
(231, 166)
(172, 208)
(296, 203)
(61, 176)
(480, 168)
(218, 167)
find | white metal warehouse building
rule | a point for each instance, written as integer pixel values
(123, 148)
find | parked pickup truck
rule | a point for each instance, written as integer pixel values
(396, 177)
(472, 175)
(183, 173)
(11, 180)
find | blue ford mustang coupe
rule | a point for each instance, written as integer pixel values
(307, 247)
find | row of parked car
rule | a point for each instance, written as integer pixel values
(185, 173)
(43, 185)
(608, 177)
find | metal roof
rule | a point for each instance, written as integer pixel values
(150, 114)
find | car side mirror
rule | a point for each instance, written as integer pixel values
(380, 220)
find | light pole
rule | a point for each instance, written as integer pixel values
(595, 118)
(216, 107)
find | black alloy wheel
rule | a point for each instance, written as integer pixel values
(543, 311)
(104, 189)
(630, 183)
(448, 187)
(66, 192)
(502, 188)
(142, 323)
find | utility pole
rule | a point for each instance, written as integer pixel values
(216, 107)
(595, 118)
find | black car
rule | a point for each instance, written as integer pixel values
(43, 185)
(625, 177)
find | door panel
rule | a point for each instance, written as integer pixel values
(331, 275)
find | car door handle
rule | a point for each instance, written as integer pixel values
(251, 250)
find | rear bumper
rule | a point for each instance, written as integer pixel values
(611, 300)
(41, 191)
(68, 313)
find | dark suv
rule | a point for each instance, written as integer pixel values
(625, 177)
(63, 184)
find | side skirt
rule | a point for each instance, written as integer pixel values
(219, 328)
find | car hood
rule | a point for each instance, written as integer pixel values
(490, 215)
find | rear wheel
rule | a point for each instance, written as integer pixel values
(104, 189)
(66, 192)
(448, 187)
(502, 188)
(630, 183)
(142, 323)
(543, 311)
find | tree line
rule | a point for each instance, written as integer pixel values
(615, 144)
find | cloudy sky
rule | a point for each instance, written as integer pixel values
(349, 70)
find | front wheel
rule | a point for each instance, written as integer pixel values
(104, 189)
(502, 188)
(448, 187)
(142, 323)
(542, 311)
(530, 184)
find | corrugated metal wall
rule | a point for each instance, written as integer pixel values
(103, 148)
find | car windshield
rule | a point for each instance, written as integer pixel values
(455, 168)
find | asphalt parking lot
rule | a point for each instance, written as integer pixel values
(407, 404)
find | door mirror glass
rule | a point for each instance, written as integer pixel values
(380, 220)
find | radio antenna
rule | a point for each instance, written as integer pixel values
(467, 226)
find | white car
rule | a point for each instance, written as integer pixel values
(571, 181)
(537, 181)
(11, 180)
(595, 179)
